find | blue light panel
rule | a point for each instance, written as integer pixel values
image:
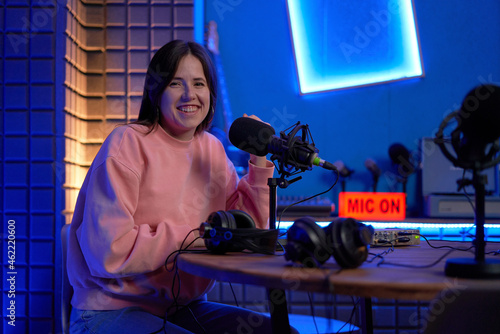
(440, 231)
(341, 44)
(285, 225)
(199, 21)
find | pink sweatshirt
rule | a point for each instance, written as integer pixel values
(141, 197)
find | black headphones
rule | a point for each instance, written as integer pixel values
(345, 238)
(234, 231)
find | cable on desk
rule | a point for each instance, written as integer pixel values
(451, 249)
(444, 246)
(282, 248)
(382, 261)
(381, 255)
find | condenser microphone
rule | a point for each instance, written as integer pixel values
(259, 139)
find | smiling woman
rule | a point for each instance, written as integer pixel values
(148, 189)
(185, 102)
(178, 68)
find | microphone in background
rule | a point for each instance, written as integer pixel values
(478, 125)
(342, 168)
(372, 166)
(259, 138)
(400, 156)
(343, 172)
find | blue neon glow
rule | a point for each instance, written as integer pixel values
(340, 44)
(285, 225)
(199, 21)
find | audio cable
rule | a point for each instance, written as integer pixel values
(307, 199)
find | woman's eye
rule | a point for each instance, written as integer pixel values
(174, 83)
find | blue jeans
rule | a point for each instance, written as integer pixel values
(198, 317)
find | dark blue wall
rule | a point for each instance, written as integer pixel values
(460, 47)
(31, 195)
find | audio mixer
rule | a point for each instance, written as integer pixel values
(395, 237)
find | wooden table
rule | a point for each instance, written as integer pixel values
(370, 280)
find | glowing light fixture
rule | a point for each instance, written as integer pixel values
(408, 225)
(199, 21)
(341, 44)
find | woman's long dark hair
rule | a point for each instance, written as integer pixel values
(160, 72)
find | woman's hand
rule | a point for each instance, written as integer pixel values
(254, 159)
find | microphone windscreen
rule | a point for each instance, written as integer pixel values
(480, 114)
(339, 164)
(343, 170)
(399, 154)
(251, 136)
(371, 165)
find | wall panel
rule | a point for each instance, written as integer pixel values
(30, 183)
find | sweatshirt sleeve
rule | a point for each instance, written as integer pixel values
(252, 194)
(112, 244)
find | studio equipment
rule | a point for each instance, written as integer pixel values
(346, 239)
(234, 231)
(475, 141)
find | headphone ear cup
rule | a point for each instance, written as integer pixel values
(222, 219)
(306, 243)
(242, 219)
(219, 219)
(348, 241)
(236, 232)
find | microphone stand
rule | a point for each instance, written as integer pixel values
(273, 183)
(479, 267)
(288, 165)
(277, 297)
(375, 183)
